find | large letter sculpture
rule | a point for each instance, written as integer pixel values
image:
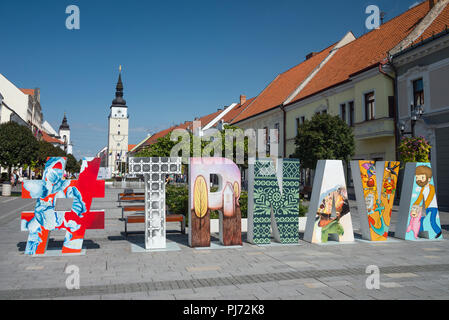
(47, 216)
(329, 212)
(273, 201)
(154, 171)
(418, 210)
(375, 194)
(225, 199)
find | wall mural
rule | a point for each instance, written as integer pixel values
(155, 171)
(225, 200)
(329, 215)
(375, 193)
(47, 215)
(418, 212)
(273, 201)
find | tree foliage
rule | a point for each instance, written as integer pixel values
(414, 149)
(324, 137)
(72, 165)
(164, 145)
(47, 150)
(18, 146)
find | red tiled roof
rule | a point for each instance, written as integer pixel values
(131, 146)
(365, 52)
(206, 119)
(28, 91)
(231, 115)
(438, 25)
(48, 138)
(283, 86)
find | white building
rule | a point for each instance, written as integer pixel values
(20, 105)
(118, 124)
(64, 135)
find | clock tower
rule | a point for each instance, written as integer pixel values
(118, 130)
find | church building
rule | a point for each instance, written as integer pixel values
(118, 131)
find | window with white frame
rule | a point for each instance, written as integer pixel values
(418, 92)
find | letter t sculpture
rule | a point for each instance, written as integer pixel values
(154, 171)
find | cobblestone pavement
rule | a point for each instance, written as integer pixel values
(110, 270)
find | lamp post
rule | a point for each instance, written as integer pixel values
(416, 114)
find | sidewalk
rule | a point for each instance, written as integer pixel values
(110, 270)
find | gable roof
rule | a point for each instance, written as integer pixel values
(365, 52)
(29, 92)
(231, 115)
(46, 137)
(438, 25)
(282, 86)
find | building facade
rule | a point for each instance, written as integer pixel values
(118, 126)
(423, 82)
(20, 105)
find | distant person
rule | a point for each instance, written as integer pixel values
(16, 177)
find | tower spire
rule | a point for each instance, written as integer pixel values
(64, 125)
(119, 91)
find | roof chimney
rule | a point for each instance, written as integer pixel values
(242, 99)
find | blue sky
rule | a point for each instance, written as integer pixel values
(181, 59)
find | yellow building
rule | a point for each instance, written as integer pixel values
(365, 102)
(358, 85)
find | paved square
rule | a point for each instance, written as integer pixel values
(110, 269)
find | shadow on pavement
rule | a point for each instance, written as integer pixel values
(53, 244)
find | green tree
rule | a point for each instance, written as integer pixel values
(18, 146)
(324, 137)
(72, 165)
(164, 145)
(161, 148)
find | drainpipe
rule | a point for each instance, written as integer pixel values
(284, 138)
(396, 110)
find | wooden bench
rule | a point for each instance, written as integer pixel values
(130, 194)
(140, 218)
(131, 198)
(132, 209)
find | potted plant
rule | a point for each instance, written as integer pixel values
(414, 149)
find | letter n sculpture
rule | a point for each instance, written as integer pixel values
(273, 201)
(48, 215)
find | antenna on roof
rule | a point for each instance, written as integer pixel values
(382, 16)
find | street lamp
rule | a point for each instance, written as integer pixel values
(416, 114)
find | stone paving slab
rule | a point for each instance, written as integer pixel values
(110, 270)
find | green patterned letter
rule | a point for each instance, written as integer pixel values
(273, 201)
